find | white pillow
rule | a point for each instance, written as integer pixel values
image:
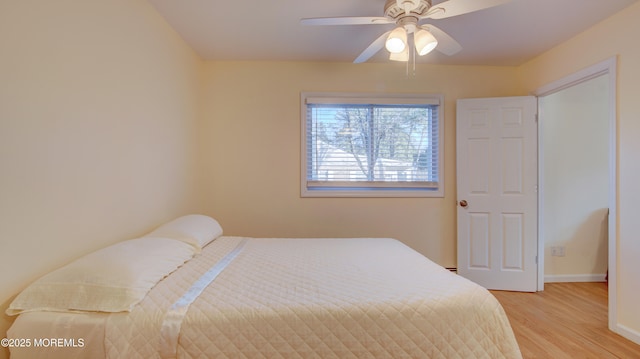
(112, 279)
(195, 229)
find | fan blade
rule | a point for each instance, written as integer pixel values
(446, 44)
(372, 49)
(458, 7)
(346, 21)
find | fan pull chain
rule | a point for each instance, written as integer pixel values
(407, 69)
(411, 61)
(413, 58)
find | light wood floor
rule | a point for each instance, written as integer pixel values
(566, 320)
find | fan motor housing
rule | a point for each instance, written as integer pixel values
(394, 10)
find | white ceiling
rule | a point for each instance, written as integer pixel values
(270, 30)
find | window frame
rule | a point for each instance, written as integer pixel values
(377, 189)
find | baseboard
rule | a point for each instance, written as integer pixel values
(563, 278)
(628, 333)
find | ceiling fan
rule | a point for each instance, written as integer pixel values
(407, 15)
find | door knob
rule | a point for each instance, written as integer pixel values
(464, 204)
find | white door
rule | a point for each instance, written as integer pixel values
(497, 192)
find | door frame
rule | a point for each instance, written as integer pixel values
(605, 67)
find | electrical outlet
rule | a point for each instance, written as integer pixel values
(558, 251)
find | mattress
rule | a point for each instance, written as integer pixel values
(292, 298)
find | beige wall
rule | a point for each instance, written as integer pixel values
(251, 136)
(100, 139)
(98, 116)
(616, 35)
(574, 129)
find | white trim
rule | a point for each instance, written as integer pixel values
(577, 77)
(359, 98)
(540, 257)
(608, 66)
(613, 195)
(573, 278)
(627, 332)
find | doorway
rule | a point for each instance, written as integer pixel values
(574, 138)
(577, 178)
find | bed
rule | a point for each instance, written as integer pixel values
(237, 297)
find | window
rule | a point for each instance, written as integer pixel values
(356, 145)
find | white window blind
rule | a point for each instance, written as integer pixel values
(368, 146)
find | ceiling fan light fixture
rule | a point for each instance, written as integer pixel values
(397, 41)
(425, 42)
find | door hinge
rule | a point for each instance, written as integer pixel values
(536, 118)
(536, 259)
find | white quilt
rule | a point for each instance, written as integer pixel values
(317, 298)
